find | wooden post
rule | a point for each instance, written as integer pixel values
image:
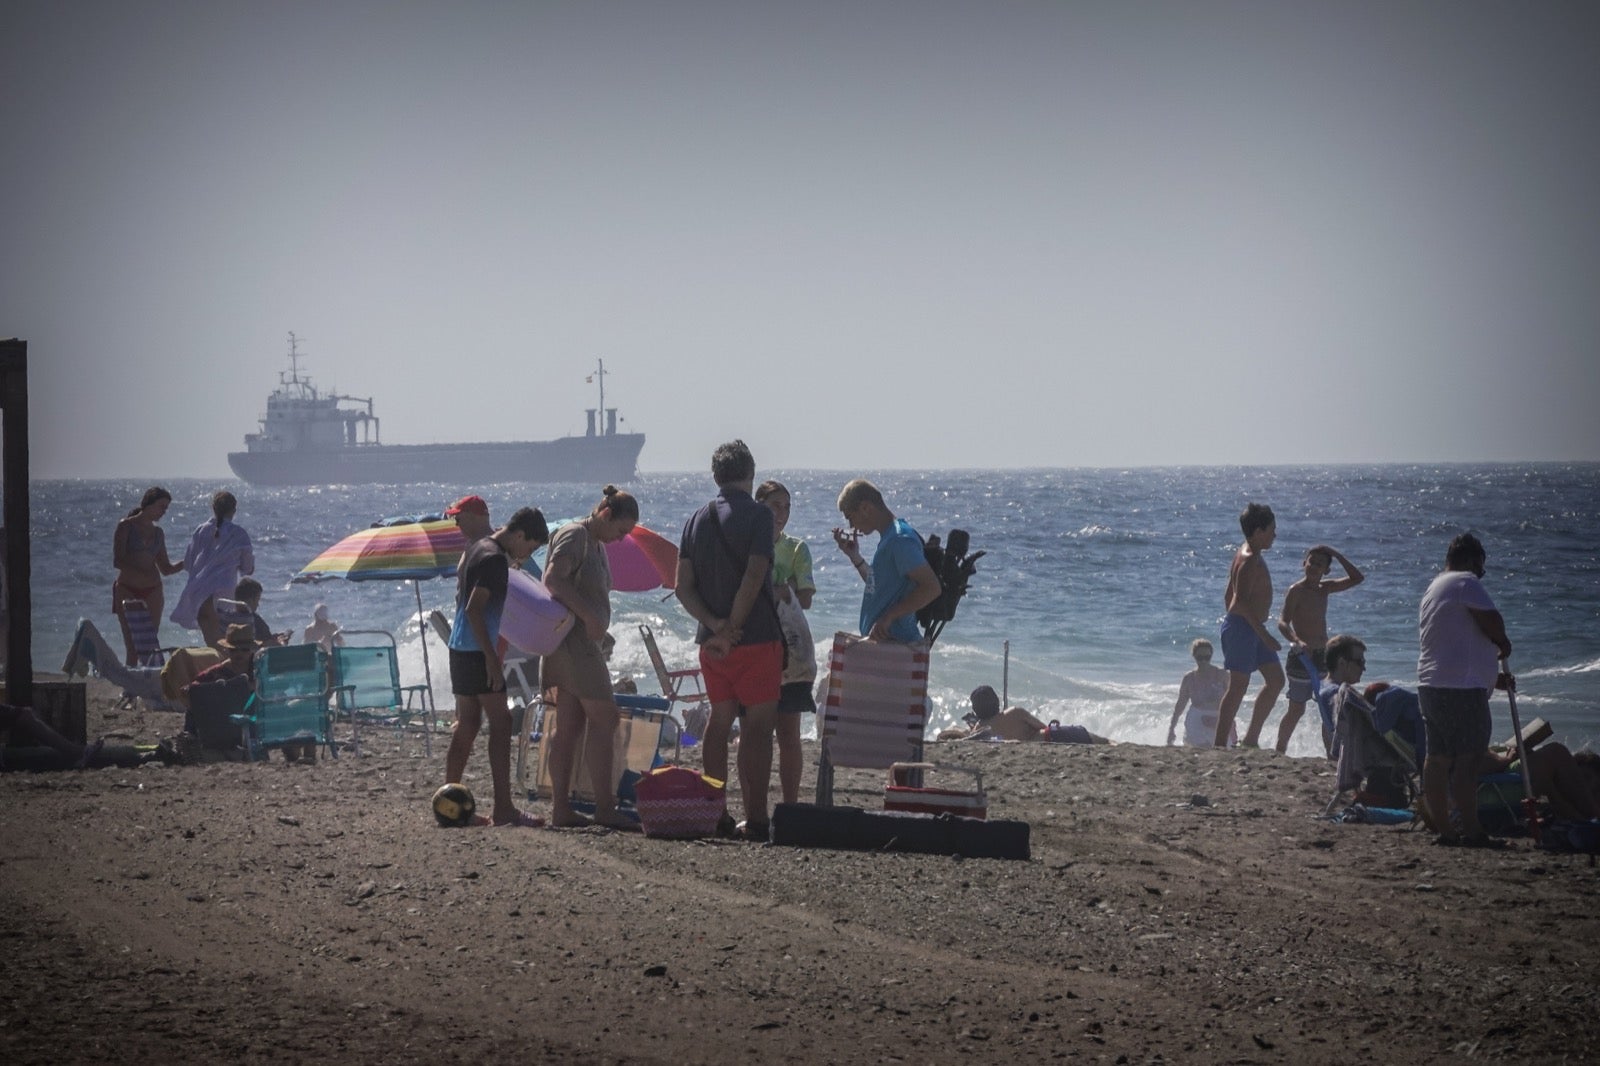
(18, 563)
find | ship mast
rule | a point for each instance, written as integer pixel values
(600, 373)
(294, 360)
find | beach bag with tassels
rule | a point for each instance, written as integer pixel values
(679, 803)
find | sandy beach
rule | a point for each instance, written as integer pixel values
(1180, 906)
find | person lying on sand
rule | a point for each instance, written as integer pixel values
(27, 742)
(988, 722)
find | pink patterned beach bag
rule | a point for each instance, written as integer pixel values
(679, 803)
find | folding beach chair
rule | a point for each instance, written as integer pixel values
(1360, 750)
(522, 680)
(144, 631)
(647, 737)
(142, 627)
(291, 700)
(679, 686)
(233, 613)
(876, 708)
(367, 688)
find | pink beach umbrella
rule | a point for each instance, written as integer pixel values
(641, 561)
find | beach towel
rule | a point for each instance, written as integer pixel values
(216, 559)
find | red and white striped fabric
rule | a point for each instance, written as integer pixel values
(964, 802)
(876, 707)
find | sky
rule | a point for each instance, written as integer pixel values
(858, 235)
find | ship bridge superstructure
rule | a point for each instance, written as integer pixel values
(299, 418)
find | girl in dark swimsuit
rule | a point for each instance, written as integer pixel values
(139, 552)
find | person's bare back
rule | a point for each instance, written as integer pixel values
(1249, 592)
(1304, 619)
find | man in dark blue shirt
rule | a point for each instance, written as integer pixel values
(725, 583)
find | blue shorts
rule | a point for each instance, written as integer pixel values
(1242, 650)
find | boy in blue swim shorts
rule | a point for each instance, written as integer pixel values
(1247, 646)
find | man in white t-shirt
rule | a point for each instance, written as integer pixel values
(1461, 635)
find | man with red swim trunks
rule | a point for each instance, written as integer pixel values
(725, 583)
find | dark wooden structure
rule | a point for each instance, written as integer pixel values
(18, 562)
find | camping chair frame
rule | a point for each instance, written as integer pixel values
(367, 688)
(291, 700)
(1396, 752)
(678, 686)
(647, 735)
(145, 631)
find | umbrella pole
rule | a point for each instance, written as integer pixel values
(427, 671)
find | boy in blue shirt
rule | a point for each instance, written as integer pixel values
(899, 582)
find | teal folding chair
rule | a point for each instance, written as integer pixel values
(291, 701)
(367, 688)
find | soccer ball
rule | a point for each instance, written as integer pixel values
(453, 806)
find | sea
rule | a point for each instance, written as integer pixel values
(1091, 585)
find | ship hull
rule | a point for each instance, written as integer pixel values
(597, 460)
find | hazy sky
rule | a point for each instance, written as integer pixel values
(857, 234)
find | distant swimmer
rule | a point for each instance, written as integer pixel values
(1201, 692)
(1246, 644)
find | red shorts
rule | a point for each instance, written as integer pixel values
(750, 673)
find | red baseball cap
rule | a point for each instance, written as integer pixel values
(469, 505)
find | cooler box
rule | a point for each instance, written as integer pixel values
(901, 795)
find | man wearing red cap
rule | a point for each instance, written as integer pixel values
(472, 517)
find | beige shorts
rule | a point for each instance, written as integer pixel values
(578, 668)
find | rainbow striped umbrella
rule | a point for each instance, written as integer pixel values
(412, 548)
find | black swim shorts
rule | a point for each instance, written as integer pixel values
(469, 674)
(1456, 720)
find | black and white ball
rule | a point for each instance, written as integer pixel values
(453, 806)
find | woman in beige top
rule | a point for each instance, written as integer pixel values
(579, 578)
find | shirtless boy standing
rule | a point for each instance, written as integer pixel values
(1246, 644)
(1304, 622)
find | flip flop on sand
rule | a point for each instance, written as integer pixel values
(523, 820)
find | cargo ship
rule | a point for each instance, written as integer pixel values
(309, 437)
